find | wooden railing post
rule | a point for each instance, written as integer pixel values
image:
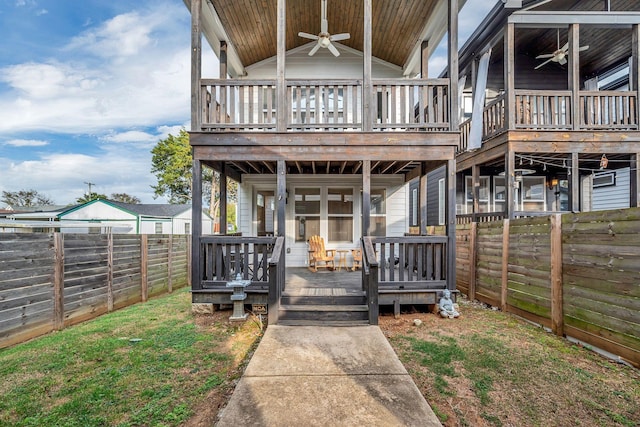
(276, 280)
(473, 260)
(144, 262)
(170, 265)
(370, 278)
(58, 282)
(110, 271)
(557, 315)
(505, 265)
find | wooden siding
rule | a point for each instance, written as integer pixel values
(585, 283)
(433, 195)
(49, 281)
(613, 197)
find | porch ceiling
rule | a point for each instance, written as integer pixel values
(397, 25)
(608, 47)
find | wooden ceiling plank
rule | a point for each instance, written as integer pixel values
(298, 166)
(342, 166)
(389, 166)
(237, 165)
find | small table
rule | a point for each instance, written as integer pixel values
(342, 259)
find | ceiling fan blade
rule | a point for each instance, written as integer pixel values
(565, 47)
(583, 48)
(307, 35)
(562, 61)
(314, 50)
(333, 50)
(338, 37)
(544, 63)
(546, 55)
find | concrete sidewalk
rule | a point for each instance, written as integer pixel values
(326, 376)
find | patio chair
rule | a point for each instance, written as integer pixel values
(318, 254)
(357, 258)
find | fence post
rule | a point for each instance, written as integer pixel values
(473, 260)
(505, 265)
(110, 271)
(144, 256)
(58, 282)
(189, 260)
(557, 315)
(170, 265)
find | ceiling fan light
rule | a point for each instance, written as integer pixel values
(324, 41)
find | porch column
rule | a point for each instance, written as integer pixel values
(223, 75)
(281, 91)
(475, 185)
(451, 224)
(196, 64)
(223, 199)
(575, 183)
(509, 184)
(424, 60)
(509, 78)
(367, 85)
(422, 196)
(281, 197)
(574, 74)
(366, 197)
(454, 115)
(635, 180)
(634, 78)
(196, 225)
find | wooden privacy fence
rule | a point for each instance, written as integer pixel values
(52, 280)
(577, 274)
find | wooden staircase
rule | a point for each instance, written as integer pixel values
(323, 307)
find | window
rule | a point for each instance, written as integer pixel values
(499, 194)
(604, 179)
(533, 189)
(483, 194)
(187, 228)
(442, 202)
(340, 214)
(378, 212)
(414, 204)
(307, 213)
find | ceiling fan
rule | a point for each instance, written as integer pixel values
(559, 55)
(324, 38)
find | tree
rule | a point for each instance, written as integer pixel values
(124, 198)
(89, 197)
(25, 198)
(171, 163)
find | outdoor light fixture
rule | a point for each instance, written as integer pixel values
(604, 162)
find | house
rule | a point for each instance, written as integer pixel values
(132, 218)
(324, 114)
(551, 97)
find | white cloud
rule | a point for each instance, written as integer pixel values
(42, 12)
(142, 137)
(26, 143)
(130, 71)
(62, 177)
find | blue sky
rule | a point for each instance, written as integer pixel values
(87, 88)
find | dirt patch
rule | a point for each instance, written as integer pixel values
(239, 342)
(488, 368)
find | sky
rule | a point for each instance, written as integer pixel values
(88, 87)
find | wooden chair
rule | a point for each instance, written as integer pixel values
(318, 254)
(357, 258)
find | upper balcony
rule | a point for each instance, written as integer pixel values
(238, 105)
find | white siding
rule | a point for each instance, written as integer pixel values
(613, 197)
(323, 65)
(98, 210)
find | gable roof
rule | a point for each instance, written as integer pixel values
(152, 209)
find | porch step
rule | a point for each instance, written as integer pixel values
(296, 299)
(318, 314)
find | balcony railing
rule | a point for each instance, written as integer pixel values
(325, 105)
(552, 110)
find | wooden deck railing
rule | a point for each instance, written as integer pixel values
(276, 275)
(543, 109)
(609, 110)
(412, 262)
(370, 278)
(236, 105)
(222, 258)
(494, 118)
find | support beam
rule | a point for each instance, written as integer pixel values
(196, 225)
(366, 197)
(509, 76)
(635, 180)
(196, 64)
(424, 59)
(367, 86)
(451, 224)
(281, 197)
(575, 183)
(223, 200)
(223, 75)
(454, 116)
(509, 184)
(635, 64)
(475, 179)
(281, 111)
(422, 197)
(574, 73)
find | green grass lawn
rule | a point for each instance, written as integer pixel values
(150, 364)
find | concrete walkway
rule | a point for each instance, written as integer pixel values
(326, 376)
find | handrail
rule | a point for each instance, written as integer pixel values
(276, 280)
(370, 278)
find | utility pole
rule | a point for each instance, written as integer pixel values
(90, 184)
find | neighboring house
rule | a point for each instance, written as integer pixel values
(323, 144)
(133, 218)
(555, 120)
